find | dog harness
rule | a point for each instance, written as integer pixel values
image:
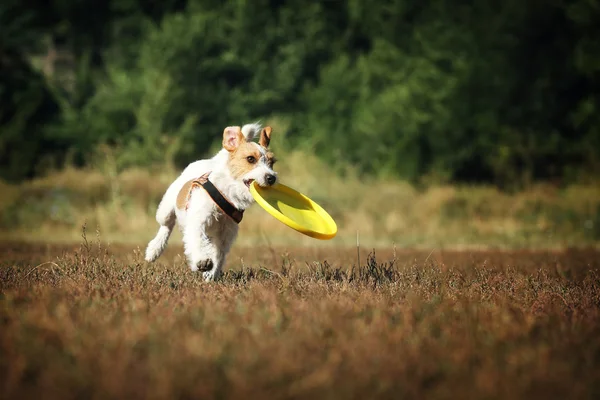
(214, 194)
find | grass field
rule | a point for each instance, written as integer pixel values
(122, 205)
(498, 296)
(91, 321)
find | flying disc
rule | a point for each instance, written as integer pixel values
(295, 210)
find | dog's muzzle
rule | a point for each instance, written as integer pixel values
(271, 179)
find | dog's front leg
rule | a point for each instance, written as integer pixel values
(215, 273)
(200, 251)
(224, 238)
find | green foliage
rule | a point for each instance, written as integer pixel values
(386, 112)
(504, 93)
(25, 102)
(464, 93)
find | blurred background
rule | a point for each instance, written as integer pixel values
(438, 123)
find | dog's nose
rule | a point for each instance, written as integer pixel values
(271, 179)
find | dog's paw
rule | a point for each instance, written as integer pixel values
(204, 265)
(211, 276)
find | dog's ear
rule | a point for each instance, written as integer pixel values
(265, 137)
(232, 138)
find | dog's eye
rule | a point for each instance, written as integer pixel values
(251, 159)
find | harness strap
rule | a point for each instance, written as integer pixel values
(216, 196)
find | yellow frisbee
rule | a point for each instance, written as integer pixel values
(295, 210)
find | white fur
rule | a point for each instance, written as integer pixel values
(251, 130)
(207, 232)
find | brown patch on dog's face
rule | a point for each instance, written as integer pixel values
(244, 159)
(270, 159)
(248, 161)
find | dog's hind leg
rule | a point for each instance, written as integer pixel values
(165, 216)
(159, 243)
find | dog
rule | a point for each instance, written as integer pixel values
(208, 199)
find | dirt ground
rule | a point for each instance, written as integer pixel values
(95, 321)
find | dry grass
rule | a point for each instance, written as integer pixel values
(122, 204)
(95, 322)
(122, 207)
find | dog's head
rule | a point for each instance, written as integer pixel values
(250, 161)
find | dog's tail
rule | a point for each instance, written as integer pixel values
(159, 243)
(250, 131)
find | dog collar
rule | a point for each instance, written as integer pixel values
(217, 197)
